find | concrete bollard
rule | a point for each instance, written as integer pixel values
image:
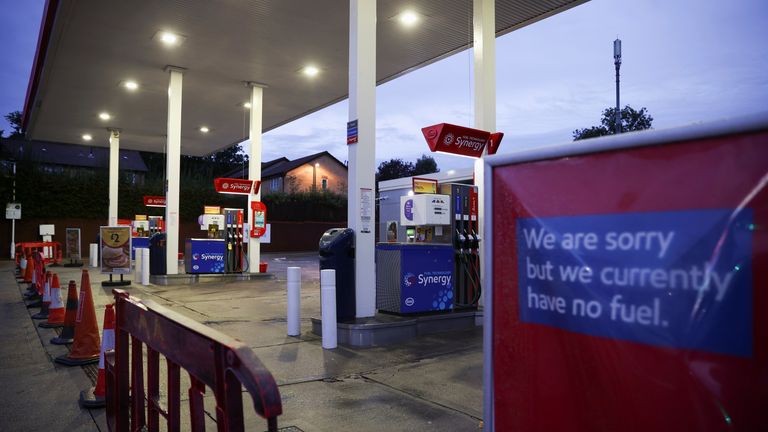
(137, 265)
(294, 301)
(144, 266)
(328, 307)
(94, 255)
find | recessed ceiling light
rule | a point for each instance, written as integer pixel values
(104, 116)
(408, 18)
(168, 38)
(247, 105)
(131, 85)
(310, 71)
(204, 129)
(87, 137)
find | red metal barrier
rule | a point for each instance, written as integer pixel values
(211, 358)
(53, 249)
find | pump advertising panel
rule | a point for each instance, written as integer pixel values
(635, 293)
(72, 244)
(115, 249)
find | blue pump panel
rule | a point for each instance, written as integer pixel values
(204, 255)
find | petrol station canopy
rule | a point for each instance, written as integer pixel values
(89, 49)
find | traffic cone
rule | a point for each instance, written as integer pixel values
(28, 271)
(94, 397)
(22, 267)
(86, 346)
(43, 314)
(67, 335)
(56, 309)
(32, 289)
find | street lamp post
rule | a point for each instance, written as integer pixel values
(617, 62)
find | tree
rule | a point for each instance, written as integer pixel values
(393, 169)
(631, 120)
(14, 118)
(425, 165)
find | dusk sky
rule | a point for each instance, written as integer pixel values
(687, 61)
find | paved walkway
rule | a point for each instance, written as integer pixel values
(433, 383)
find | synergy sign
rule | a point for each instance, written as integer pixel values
(459, 140)
(154, 201)
(236, 186)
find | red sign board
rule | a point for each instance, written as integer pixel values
(612, 352)
(154, 201)
(460, 140)
(233, 186)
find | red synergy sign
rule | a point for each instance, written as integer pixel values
(154, 201)
(459, 140)
(236, 186)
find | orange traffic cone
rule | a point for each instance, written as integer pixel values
(94, 397)
(56, 309)
(32, 289)
(29, 270)
(43, 314)
(87, 346)
(67, 335)
(22, 267)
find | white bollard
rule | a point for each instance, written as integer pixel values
(328, 307)
(294, 301)
(94, 255)
(145, 266)
(137, 265)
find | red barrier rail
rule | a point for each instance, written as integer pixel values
(211, 358)
(51, 251)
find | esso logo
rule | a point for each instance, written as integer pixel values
(410, 301)
(225, 186)
(448, 139)
(195, 257)
(432, 134)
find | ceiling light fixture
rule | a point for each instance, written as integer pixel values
(408, 18)
(204, 129)
(168, 38)
(131, 85)
(105, 116)
(247, 105)
(310, 71)
(87, 137)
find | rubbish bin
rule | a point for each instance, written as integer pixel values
(157, 254)
(337, 252)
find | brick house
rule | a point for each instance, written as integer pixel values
(321, 171)
(72, 159)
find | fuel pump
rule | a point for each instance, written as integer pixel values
(235, 247)
(466, 243)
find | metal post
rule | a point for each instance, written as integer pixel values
(173, 170)
(294, 301)
(328, 307)
(254, 168)
(617, 63)
(362, 155)
(13, 221)
(114, 174)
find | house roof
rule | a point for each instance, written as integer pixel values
(45, 152)
(87, 48)
(281, 166)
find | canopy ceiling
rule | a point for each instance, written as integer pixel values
(89, 47)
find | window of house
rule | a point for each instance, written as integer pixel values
(274, 184)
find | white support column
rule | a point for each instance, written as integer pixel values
(254, 168)
(173, 169)
(114, 174)
(484, 23)
(361, 202)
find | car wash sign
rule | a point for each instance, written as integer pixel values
(631, 281)
(459, 140)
